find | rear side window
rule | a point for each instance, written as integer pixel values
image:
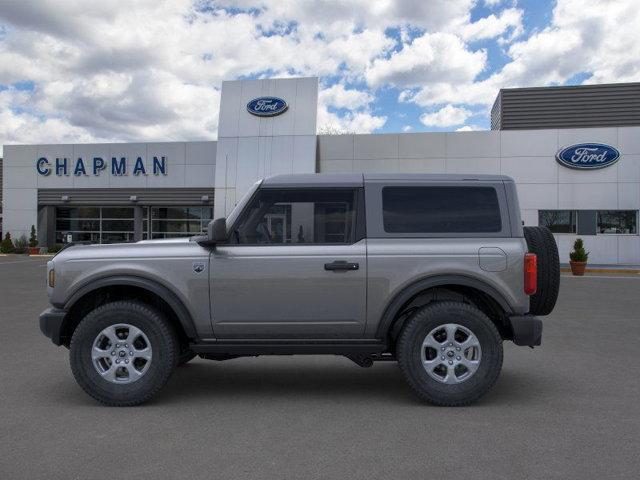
(441, 210)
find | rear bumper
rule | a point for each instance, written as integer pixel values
(527, 330)
(51, 321)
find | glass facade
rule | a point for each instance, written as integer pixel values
(94, 224)
(117, 224)
(618, 221)
(558, 221)
(173, 222)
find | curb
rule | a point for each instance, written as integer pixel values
(627, 271)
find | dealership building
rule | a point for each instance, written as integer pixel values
(574, 153)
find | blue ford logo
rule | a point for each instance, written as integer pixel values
(267, 106)
(588, 156)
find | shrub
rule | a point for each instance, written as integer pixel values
(7, 244)
(579, 254)
(55, 249)
(33, 238)
(20, 245)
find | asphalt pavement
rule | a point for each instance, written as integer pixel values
(569, 409)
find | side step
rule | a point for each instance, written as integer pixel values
(290, 347)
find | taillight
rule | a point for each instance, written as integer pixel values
(530, 273)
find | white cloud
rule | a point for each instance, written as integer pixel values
(432, 57)
(469, 128)
(509, 20)
(338, 96)
(407, 128)
(447, 116)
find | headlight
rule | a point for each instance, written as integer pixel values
(52, 278)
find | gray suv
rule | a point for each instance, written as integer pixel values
(431, 271)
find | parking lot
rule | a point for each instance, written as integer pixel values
(569, 409)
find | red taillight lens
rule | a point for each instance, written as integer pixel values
(530, 273)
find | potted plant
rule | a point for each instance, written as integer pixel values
(578, 258)
(7, 244)
(33, 242)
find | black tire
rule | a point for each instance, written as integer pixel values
(185, 356)
(409, 347)
(541, 242)
(164, 347)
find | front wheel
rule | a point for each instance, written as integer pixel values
(450, 353)
(123, 353)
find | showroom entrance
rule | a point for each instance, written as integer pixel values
(119, 215)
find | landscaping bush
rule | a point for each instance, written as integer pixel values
(33, 238)
(21, 244)
(7, 244)
(55, 249)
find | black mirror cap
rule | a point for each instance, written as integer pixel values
(217, 230)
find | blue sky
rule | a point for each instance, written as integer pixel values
(77, 71)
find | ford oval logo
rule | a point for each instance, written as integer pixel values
(267, 106)
(588, 156)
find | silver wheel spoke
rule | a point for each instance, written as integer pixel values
(429, 341)
(134, 333)
(471, 365)
(110, 374)
(98, 353)
(451, 375)
(451, 330)
(471, 341)
(143, 353)
(110, 333)
(133, 373)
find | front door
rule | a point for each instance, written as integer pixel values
(295, 267)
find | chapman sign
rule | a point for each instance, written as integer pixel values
(117, 166)
(267, 106)
(588, 156)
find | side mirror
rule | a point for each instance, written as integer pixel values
(217, 230)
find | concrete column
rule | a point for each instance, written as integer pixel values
(138, 214)
(46, 228)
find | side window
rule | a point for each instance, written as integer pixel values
(310, 216)
(441, 209)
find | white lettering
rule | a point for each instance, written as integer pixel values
(588, 155)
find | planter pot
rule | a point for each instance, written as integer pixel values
(34, 250)
(578, 268)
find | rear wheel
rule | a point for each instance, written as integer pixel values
(450, 353)
(123, 353)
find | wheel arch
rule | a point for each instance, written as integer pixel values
(484, 296)
(105, 289)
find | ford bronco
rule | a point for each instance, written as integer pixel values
(431, 271)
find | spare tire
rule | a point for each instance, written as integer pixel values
(541, 242)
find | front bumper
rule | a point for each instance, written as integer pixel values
(527, 330)
(51, 323)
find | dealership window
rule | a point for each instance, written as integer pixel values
(441, 210)
(172, 222)
(618, 221)
(94, 224)
(297, 216)
(558, 221)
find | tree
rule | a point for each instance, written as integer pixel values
(7, 244)
(33, 239)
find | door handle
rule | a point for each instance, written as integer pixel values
(340, 265)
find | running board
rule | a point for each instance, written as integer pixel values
(289, 347)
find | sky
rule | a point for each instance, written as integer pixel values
(75, 71)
